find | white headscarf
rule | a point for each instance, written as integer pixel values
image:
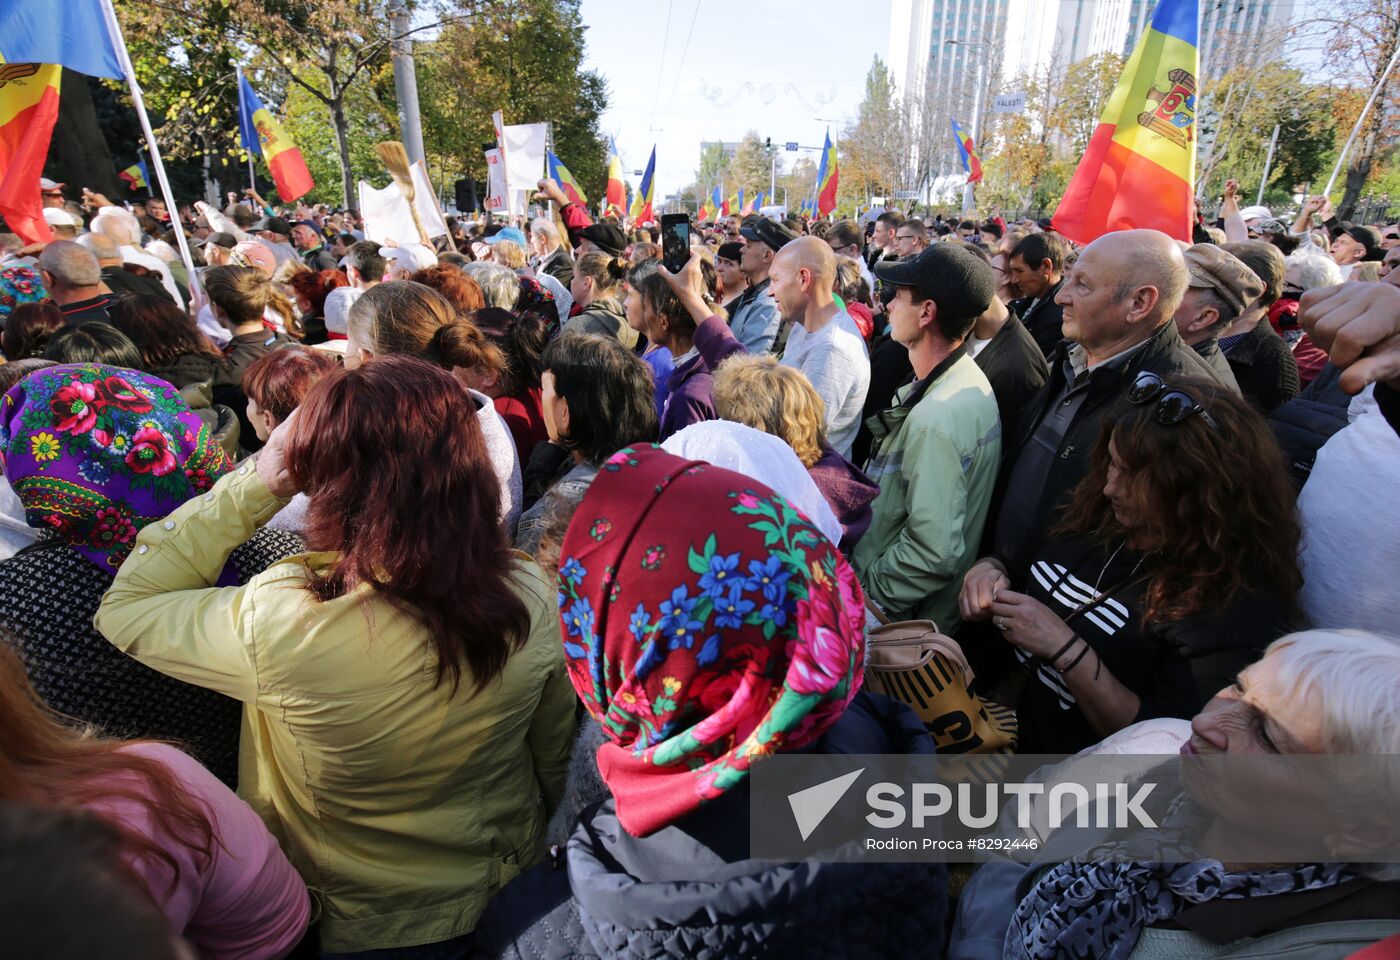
(762, 456)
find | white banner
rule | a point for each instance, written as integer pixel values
(387, 216)
(1009, 103)
(495, 182)
(524, 150)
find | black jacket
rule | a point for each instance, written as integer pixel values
(122, 282)
(1164, 354)
(618, 896)
(1016, 369)
(1302, 425)
(1044, 319)
(1209, 351)
(319, 259)
(559, 265)
(1264, 367)
(890, 369)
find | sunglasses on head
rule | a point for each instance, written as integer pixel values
(1173, 406)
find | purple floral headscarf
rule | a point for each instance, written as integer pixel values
(98, 452)
(706, 623)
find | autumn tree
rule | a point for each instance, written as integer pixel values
(874, 149)
(523, 57)
(713, 170)
(1362, 36)
(750, 167)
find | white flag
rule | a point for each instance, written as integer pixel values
(387, 216)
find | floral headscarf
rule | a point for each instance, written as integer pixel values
(19, 285)
(706, 623)
(97, 452)
(534, 295)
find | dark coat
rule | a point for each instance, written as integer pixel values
(239, 354)
(1209, 351)
(123, 282)
(1264, 367)
(1016, 369)
(1164, 354)
(559, 265)
(1302, 425)
(1044, 320)
(616, 896)
(889, 370)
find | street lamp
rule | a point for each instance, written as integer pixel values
(967, 203)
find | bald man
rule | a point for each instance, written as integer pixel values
(1118, 301)
(825, 344)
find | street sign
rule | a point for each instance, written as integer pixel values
(792, 146)
(637, 173)
(1009, 103)
(906, 194)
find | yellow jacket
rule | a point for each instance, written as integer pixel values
(405, 807)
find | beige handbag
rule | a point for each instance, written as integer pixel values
(926, 670)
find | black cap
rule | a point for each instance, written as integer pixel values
(227, 240)
(1368, 237)
(606, 237)
(957, 279)
(770, 232)
(730, 250)
(275, 225)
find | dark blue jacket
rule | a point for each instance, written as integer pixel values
(617, 895)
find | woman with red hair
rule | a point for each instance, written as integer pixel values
(407, 715)
(310, 291)
(187, 842)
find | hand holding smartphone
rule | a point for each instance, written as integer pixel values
(675, 241)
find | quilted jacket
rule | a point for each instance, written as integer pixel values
(617, 896)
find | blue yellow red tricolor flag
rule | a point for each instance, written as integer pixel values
(615, 201)
(828, 178)
(713, 205)
(28, 112)
(968, 151)
(262, 134)
(560, 174)
(641, 203)
(1139, 169)
(136, 177)
(73, 34)
(757, 202)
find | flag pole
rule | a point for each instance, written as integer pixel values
(1341, 157)
(114, 29)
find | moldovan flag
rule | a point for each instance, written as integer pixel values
(1140, 166)
(135, 176)
(641, 203)
(560, 174)
(733, 205)
(967, 150)
(28, 112)
(828, 178)
(615, 203)
(262, 134)
(709, 207)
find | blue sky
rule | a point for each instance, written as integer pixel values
(800, 60)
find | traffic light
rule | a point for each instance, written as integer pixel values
(768, 144)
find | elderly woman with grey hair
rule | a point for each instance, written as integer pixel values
(499, 284)
(1320, 693)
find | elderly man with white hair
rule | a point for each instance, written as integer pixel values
(122, 226)
(549, 255)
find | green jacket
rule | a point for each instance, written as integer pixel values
(934, 454)
(403, 804)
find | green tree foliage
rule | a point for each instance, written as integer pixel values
(750, 167)
(524, 58)
(874, 150)
(713, 170)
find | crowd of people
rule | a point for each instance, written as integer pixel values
(369, 600)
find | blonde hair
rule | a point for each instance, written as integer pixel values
(244, 294)
(763, 394)
(508, 253)
(1367, 271)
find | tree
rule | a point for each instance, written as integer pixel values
(1087, 86)
(874, 149)
(1361, 38)
(800, 182)
(523, 57)
(713, 170)
(750, 167)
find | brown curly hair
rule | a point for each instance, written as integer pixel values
(1215, 503)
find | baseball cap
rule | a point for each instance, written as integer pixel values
(1215, 269)
(219, 239)
(771, 232)
(730, 251)
(274, 225)
(308, 224)
(1271, 225)
(1255, 213)
(46, 184)
(251, 253)
(512, 234)
(58, 217)
(411, 256)
(605, 237)
(337, 309)
(1368, 237)
(959, 280)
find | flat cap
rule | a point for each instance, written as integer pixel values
(768, 231)
(959, 281)
(1219, 270)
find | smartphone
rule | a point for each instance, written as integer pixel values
(675, 241)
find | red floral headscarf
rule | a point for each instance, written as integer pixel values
(706, 623)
